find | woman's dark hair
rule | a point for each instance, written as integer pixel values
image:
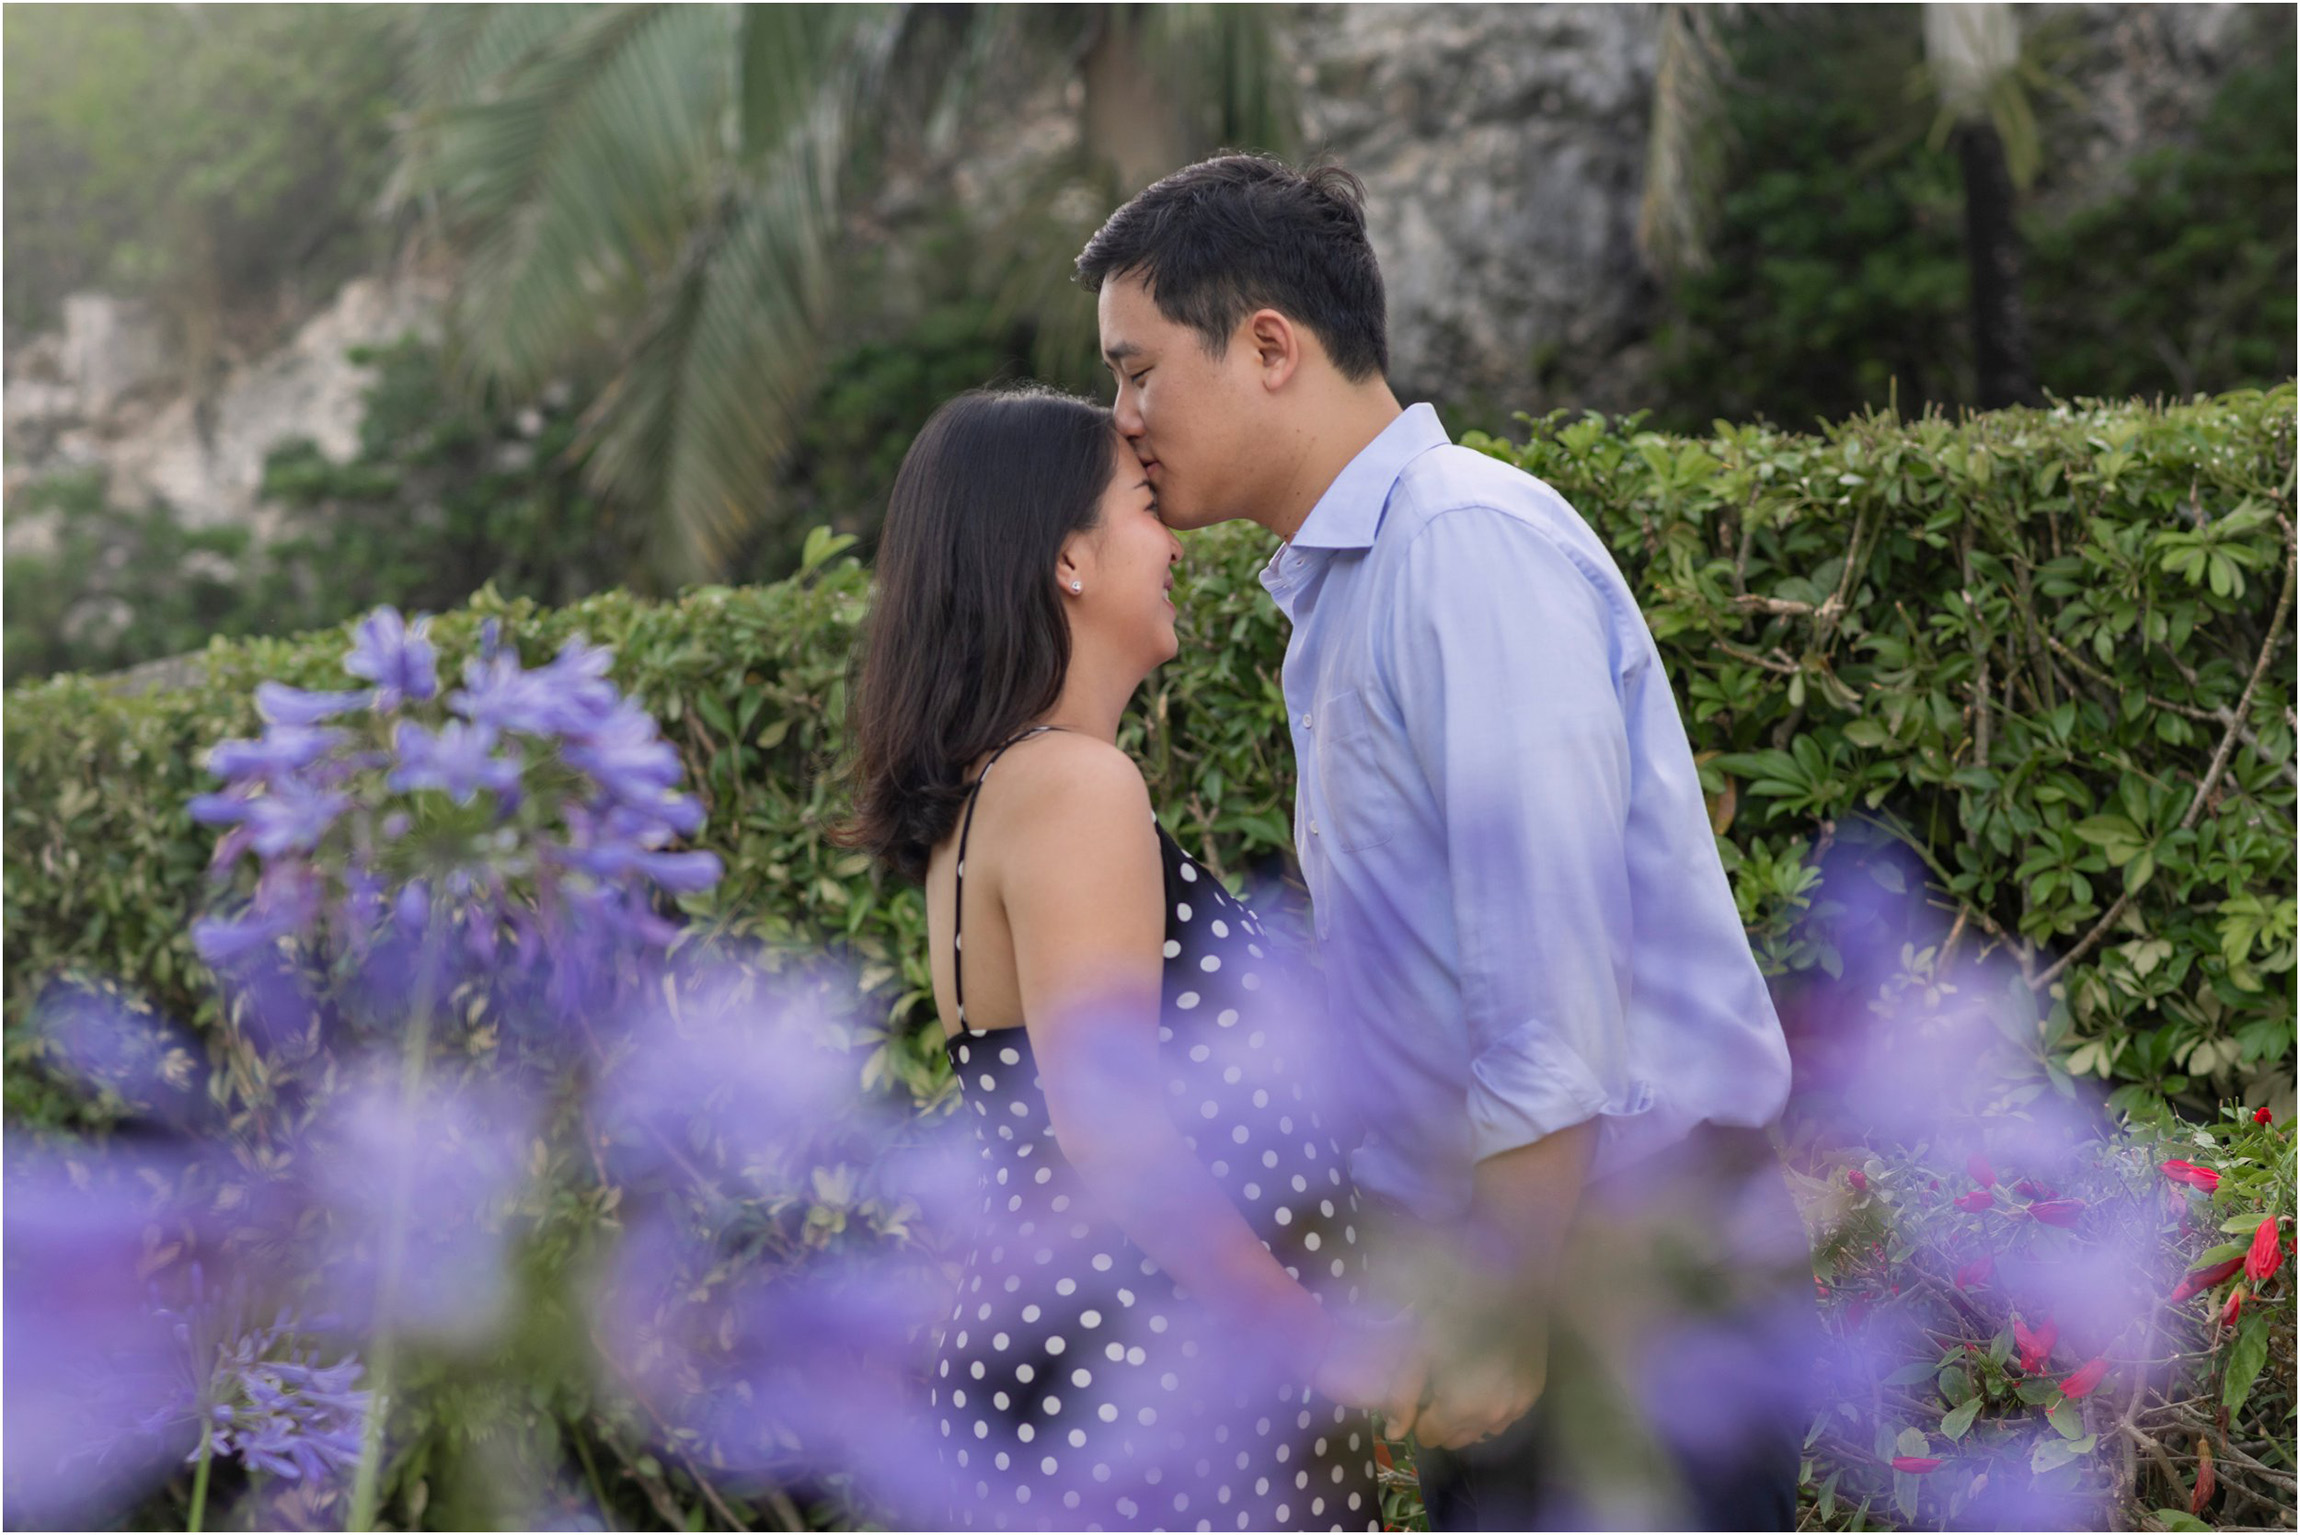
(966, 642)
(1220, 239)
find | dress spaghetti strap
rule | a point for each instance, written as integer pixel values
(958, 890)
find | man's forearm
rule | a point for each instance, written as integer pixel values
(1521, 1207)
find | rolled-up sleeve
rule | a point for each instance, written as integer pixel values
(1509, 694)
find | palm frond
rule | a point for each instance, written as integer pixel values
(1688, 142)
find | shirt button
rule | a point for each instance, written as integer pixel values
(1305, 721)
(1313, 828)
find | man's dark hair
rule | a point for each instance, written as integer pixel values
(1220, 239)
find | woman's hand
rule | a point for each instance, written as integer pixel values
(1378, 1366)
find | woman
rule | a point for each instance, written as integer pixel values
(1148, 1331)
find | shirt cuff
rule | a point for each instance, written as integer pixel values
(1526, 1085)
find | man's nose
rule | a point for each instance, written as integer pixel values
(1128, 413)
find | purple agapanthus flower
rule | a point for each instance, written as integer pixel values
(568, 697)
(293, 817)
(460, 760)
(627, 756)
(280, 752)
(286, 900)
(283, 705)
(395, 656)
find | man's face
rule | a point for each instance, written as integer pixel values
(1190, 417)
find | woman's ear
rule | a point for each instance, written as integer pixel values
(1071, 565)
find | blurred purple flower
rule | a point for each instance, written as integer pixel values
(627, 756)
(456, 1154)
(564, 698)
(283, 705)
(113, 1041)
(459, 760)
(395, 656)
(281, 751)
(286, 901)
(88, 1360)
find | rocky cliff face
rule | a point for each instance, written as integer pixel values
(101, 394)
(1502, 148)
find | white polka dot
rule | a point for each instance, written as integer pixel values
(1285, 1216)
(1010, 1055)
(1023, 1372)
(1077, 1438)
(1107, 1412)
(1186, 1001)
(981, 1429)
(1048, 1465)
(1221, 928)
(1311, 1241)
(1101, 1263)
(1251, 981)
(1189, 875)
(1090, 1318)
(1065, 1286)
(1211, 962)
(1182, 910)
(1226, 1017)
(1172, 948)
(1209, 1109)
(1115, 1352)
(1057, 1344)
(1026, 1433)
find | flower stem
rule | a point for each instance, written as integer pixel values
(383, 1348)
(200, 1478)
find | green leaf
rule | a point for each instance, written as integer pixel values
(2245, 1357)
(2066, 1418)
(1959, 1419)
(2052, 1454)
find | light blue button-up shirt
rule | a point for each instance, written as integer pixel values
(1518, 900)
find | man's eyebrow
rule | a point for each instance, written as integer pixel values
(1119, 351)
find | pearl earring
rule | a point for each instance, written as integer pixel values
(1078, 586)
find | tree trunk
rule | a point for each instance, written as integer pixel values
(2006, 374)
(1131, 123)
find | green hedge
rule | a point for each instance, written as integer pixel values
(2041, 652)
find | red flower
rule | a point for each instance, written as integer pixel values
(2266, 1255)
(1858, 1179)
(2261, 1116)
(1382, 1455)
(2087, 1376)
(2234, 1307)
(1978, 1166)
(2057, 1212)
(2204, 1279)
(1978, 1199)
(1917, 1465)
(2189, 1173)
(2036, 1346)
(1976, 1272)
(2028, 1190)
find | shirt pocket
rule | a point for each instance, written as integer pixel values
(1360, 806)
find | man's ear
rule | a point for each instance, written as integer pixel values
(1277, 345)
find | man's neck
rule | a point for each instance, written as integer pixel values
(1353, 419)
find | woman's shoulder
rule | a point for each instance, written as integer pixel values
(1071, 782)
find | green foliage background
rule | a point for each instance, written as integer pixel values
(2044, 652)
(1839, 278)
(204, 155)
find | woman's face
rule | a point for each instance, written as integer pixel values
(1125, 567)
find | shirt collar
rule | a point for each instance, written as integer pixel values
(1350, 511)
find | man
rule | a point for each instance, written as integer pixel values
(1518, 900)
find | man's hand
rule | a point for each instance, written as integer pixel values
(1379, 1366)
(1477, 1399)
(1496, 1361)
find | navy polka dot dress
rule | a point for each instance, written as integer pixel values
(1073, 1387)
